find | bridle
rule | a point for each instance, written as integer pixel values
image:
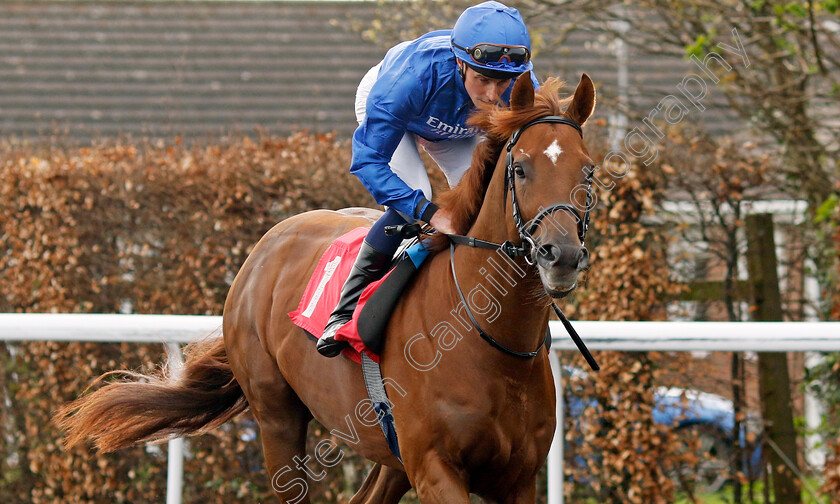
(528, 248)
(525, 229)
(526, 233)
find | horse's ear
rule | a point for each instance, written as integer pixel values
(522, 96)
(583, 102)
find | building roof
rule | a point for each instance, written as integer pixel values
(198, 69)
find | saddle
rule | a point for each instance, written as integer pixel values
(366, 329)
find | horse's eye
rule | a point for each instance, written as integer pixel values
(519, 171)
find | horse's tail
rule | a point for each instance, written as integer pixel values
(147, 408)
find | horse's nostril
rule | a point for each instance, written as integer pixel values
(548, 253)
(582, 258)
(566, 256)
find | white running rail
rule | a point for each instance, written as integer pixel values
(617, 336)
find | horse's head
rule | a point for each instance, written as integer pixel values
(548, 173)
(534, 155)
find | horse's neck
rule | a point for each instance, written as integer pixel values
(507, 293)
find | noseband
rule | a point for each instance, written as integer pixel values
(528, 247)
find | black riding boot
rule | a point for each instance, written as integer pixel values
(370, 266)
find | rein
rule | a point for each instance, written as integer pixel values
(528, 247)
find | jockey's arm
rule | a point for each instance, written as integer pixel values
(390, 103)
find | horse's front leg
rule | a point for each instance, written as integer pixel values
(437, 482)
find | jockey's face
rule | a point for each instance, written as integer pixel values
(482, 89)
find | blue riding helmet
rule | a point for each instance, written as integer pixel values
(491, 38)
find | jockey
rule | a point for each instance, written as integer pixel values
(421, 95)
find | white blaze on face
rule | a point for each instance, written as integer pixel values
(553, 151)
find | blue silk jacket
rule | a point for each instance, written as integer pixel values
(418, 90)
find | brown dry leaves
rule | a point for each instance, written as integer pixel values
(157, 228)
(627, 458)
(164, 228)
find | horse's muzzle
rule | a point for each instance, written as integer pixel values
(551, 256)
(559, 266)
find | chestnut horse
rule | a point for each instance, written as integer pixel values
(470, 418)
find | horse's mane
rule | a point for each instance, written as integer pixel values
(464, 200)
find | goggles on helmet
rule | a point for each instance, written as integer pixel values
(488, 54)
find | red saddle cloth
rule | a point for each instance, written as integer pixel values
(324, 289)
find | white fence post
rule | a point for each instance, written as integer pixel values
(175, 455)
(555, 467)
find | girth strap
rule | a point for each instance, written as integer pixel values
(381, 404)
